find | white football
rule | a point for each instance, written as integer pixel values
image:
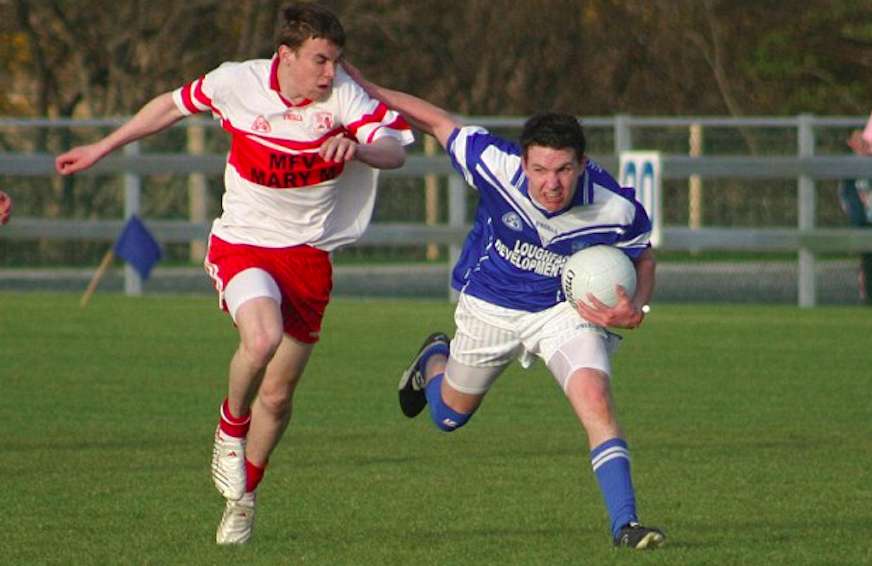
(597, 270)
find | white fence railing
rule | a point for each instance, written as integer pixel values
(804, 166)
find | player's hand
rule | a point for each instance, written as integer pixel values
(623, 315)
(858, 144)
(353, 72)
(338, 149)
(355, 75)
(5, 207)
(77, 159)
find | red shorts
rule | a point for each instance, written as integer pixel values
(303, 274)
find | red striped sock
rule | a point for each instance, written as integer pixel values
(234, 426)
(253, 475)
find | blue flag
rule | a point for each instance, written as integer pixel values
(138, 247)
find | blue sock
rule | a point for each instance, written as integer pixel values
(437, 348)
(444, 417)
(611, 465)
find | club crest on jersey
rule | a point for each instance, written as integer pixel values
(261, 125)
(322, 122)
(513, 221)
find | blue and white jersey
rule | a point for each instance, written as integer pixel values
(514, 254)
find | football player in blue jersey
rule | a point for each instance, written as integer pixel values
(540, 201)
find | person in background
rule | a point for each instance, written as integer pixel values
(855, 196)
(5, 208)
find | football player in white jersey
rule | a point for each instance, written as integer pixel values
(298, 183)
(538, 203)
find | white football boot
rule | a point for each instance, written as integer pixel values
(228, 465)
(237, 522)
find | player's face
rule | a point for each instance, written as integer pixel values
(552, 175)
(311, 68)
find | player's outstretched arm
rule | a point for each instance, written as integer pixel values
(421, 114)
(159, 113)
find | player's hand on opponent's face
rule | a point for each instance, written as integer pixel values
(5, 207)
(77, 159)
(352, 71)
(338, 149)
(623, 315)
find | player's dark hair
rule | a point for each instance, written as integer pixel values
(304, 20)
(554, 130)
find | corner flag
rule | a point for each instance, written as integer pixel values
(138, 247)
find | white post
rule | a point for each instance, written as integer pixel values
(456, 220)
(806, 283)
(132, 189)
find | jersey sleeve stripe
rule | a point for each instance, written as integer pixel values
(640, 242)
(457, 150)
(371, 135)
(186, 99)
(451, 137)
(397, 129)
(200, 96)
(459, 146)
(180, 104)
(190, 99)
(516, 178)
(375, 116)
(399, 124)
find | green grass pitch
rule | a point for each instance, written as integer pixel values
(750, 429)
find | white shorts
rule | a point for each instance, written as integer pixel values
(489, 337)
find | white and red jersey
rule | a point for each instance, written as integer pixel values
(278, 190)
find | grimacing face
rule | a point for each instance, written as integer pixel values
(552, 175)
(309, 69)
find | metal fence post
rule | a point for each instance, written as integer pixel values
(132, 188)
(623, 135)
(807, 285)
(456, 220)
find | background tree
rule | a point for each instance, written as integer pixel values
(103, 58)
(99, 58)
